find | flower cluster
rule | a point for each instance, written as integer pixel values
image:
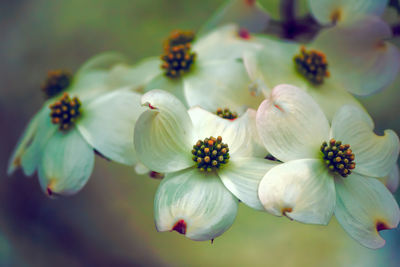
(230, 116)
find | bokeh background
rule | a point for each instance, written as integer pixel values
(110, 222)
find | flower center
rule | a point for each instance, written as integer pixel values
(210, 154)
(56, 82)
(226, 114)
(65, 111)
(178, 37)
(338, 157)
(312, 65)
(178, 57)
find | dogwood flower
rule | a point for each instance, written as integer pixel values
(345, 11)
(340, 59)
(84, 115)
(205, 72)
(327, 169)
(208, 164)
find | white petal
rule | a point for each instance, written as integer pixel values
(258, 85)
(172, 86)
(345, 11)
(89, 85)
(163, 134)
(358, 56)
(242, 177)
(331, 96)
(23, 143)
(234, 133)
(374, 155)
(302, 190)
(66, 165)
(391, 181)
(102, 61)
(141, 169)
(291, 124)
(108, 123)
(138, 76)
(247, 14)
(223, 44)
(275, 63)
(364, 206)
(195, 204)
(33, 153)
(220, 84)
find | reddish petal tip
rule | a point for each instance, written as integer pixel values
(49, 191)
(250, 2)
(382, 226)
(244, 34)
(180, 227)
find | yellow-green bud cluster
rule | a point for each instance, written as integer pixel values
(338, 157)
(210, 154)
(178, 57)
(65, 111)
(226, 114)
(312, 65)
(56, 82)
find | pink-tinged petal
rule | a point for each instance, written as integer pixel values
(358, 55)
(364, 206)
(242, 177)
(345, 11)
(391, 181)
(67, 164)
(302, 190)
(291, 124)
(163, 134)
(195, 204)
(374, 155)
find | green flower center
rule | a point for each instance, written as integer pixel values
(338, 158)
(65, 111)
(56, 82)
(210, 154)
(178, 57)
(312, 65)
(226, 114)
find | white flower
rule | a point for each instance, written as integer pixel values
(208, 164)
(88, 116)
(345, 11)
(206, 73)
(354, 58)
(327, 169)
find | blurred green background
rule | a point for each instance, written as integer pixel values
(110, 222)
